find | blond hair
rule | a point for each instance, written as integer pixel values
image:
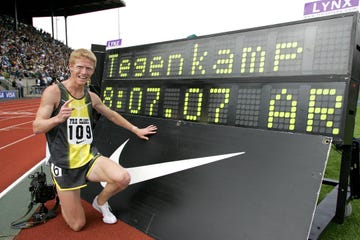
(82, 52)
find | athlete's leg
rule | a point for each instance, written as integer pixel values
(106, 170)
(72, 209)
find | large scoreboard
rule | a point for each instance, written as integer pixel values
(296, 77)
(278, 94)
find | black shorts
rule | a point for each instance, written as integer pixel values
(71, 179)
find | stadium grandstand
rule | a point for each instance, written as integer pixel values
(31, 55)
(30, 58)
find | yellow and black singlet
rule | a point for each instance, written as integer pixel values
(70, 143)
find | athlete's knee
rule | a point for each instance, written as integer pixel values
(77, 225)
(123, 179)
(126, 178)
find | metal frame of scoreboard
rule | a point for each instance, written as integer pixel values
(127, 69)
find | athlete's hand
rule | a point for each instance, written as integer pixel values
(65, 111)
(143, 132)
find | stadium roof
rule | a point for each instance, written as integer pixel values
(27, 9)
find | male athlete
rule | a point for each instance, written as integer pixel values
(65, 115)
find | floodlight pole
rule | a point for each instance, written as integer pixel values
(66, 36)
(52, 24)
(16, 16)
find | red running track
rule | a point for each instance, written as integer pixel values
(20, 149)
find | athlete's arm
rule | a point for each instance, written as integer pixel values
(120, 120)
(49, 100)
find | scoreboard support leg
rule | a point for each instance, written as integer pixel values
(343, 187)
(355, 170)
(324, 213)
(334, 206)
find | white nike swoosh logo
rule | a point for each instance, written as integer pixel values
(147, 172)
(144, 173)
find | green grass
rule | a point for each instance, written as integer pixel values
(350, 229)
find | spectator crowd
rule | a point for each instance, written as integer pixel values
(31, 53)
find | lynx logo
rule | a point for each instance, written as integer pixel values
(113, 44)
(327, 7)
(144, 173)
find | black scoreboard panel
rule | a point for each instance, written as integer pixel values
(292, 77)
(269, 192)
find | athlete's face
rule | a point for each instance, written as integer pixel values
(81, 70)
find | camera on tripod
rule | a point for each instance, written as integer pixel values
(41, 192)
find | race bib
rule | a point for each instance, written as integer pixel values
(79, 130)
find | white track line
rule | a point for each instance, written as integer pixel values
(9, 118)
(45, 160)
(14, 126)
(9, 188)
(20, 140)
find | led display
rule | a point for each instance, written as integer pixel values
(288, 77)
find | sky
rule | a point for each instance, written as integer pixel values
(150, 21)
